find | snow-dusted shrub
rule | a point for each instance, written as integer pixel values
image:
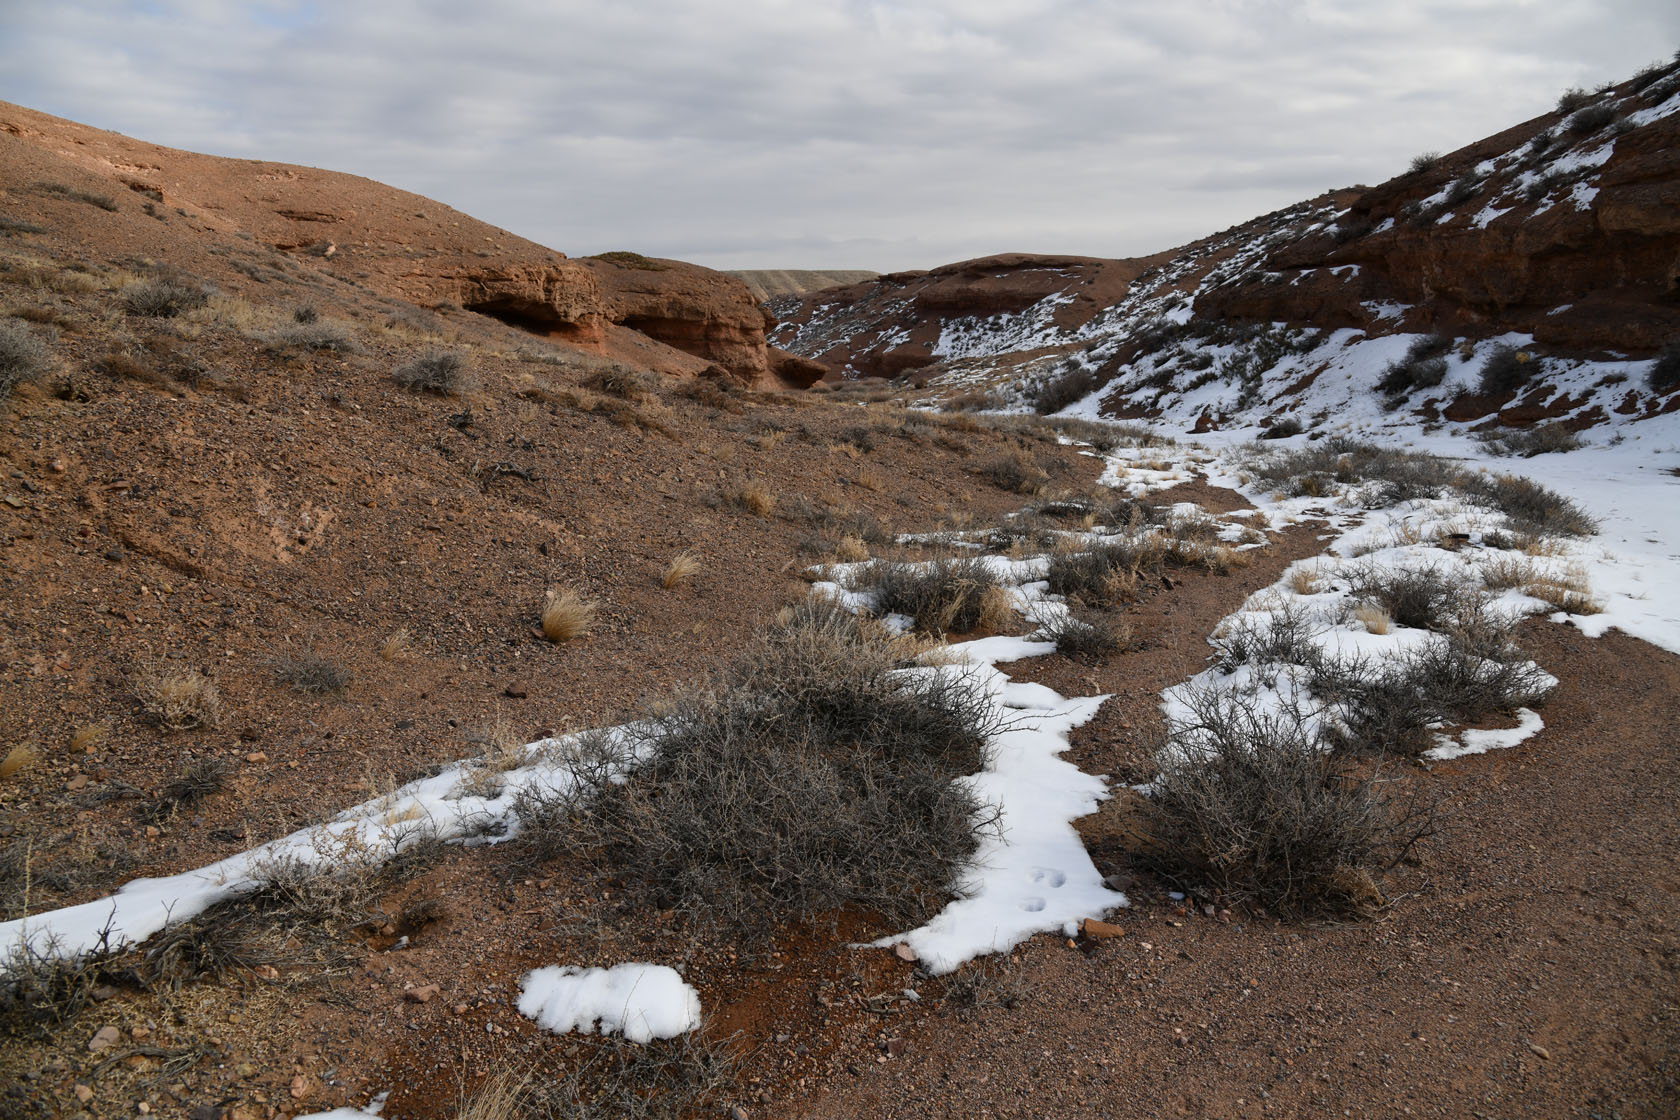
(811, 774)
(40, 989)
(1060, 389)
(1538, 440)
(946, 595)
(1572, 99)
(1108, 570)
(1506, 370)
(1247, 803)
(1591, 119)
(1286, 637)
(1529, 506)
(1425, 598)
(1665, 371)
(1282, 428)
(1423, 367)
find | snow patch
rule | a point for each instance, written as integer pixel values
(640, 1001)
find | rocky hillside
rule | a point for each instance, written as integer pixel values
(768, 283)
(1560, 236)
(251, 225)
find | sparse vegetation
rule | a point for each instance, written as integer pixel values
(23, 357)
(1664, 376)
(1424, 161)
(436, 371)
(1060, 389)
(1250, 805)
(1423, 367)
(1591, 119)
(1424, 598)
(946, 595)
(164, 297)
(755, 496)
(40, 989)
(179, 699)
(1017, 472)
(684, 566)
(1541, 439)
(397, 647)
(566, 615)
(321, 334)
(1092, 636)
(812, 746)
(311, 672)
(626, 259)
(75, 194)
(1572, 99)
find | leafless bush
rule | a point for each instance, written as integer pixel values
(22, 357)
(42, 988)
(1282, 637)
(195, 782)
(1093, 636)
(1529, 506)
(1060, 389)
(1107, 570)
(1016, 472)
(943, 595)
(665, 1079)
(1541, 439)
(1664, 376)
(322, 334)
(164, 298)
(436, 371)
(1250, 805)
(179, 700)
(1506, 370)
(766, 795)
(308, 671)
(1424, 597)
(74, 194)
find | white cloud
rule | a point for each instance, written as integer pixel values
(829, 133)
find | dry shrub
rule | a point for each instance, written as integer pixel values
(179, 699)
(164, 298)
(331, 335)
(625, 383)
(308, 671)
(1568, 592)
(195, 782)
(1249, 804)
(22, 357)
(1305, 581)
(1094, 636)
(1541, 439)
(755, 496)
(566, 615)
(851, 550)
(41, 989)
(997, 609)
(1424, 598)
(1281, 637)
(813, 747)
(665, 1079)
(1108, 570)
(89, 738)
(946, 595)
(1530, 507)
(869, 479)
(683, 567)
(436, 371)
(1017, 472)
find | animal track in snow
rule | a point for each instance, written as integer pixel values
(1048, 875)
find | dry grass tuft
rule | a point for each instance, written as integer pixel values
(566, 615)
(17, 760)
(179, 699)
(89, 738)
(1373, 618)
(755, 496)
(851, 550)
(398, 648)
(684, 566)
(997, 609)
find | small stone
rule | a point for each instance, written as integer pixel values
(904, 952)
(152, 832)
(83, 1093)
(204, 1112)
(103, 1039)
(1100, 931)
(267, 972)
(257, 756)
(144, 1108)
(1540, 1050)
(300, 1086)
(736, 1112)
(140, 1032)
(896, 1047)
(459, 1009)
(515, 692)
(422, 994)
(244, 1070)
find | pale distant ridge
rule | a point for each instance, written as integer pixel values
(765, 283)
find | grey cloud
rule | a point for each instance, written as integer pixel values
(829, 134)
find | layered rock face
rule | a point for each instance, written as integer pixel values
(675, 317)
(1566, 228)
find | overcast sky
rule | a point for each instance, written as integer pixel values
(830, 133)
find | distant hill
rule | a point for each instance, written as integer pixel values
(766, 283)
